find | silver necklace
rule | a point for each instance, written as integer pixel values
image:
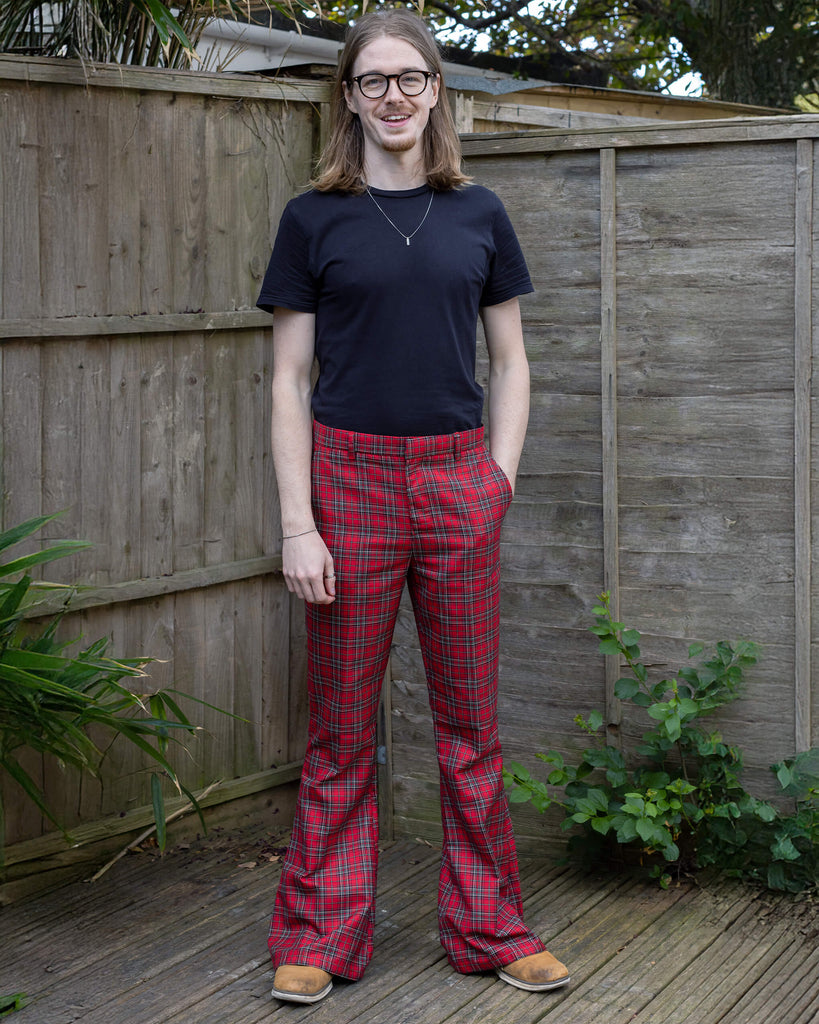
(400, 232)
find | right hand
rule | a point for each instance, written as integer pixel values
(308, 568)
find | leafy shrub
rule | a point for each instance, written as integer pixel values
(49, 699)
(680, 803)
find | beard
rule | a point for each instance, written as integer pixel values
(397, 145)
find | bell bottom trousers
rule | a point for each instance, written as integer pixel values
(425, 511)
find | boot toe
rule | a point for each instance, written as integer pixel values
(537, 973)
(296, 983)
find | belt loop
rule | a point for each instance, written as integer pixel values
(352, 445)
(456, 446)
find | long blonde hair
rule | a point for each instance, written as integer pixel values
(341, 167)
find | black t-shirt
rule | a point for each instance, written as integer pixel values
(395, 323)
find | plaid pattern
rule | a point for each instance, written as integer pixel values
(426, 511)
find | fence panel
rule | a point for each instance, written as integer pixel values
(669, 451)
(138, 209)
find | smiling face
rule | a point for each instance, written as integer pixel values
(393, 123)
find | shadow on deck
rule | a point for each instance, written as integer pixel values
(183, 941)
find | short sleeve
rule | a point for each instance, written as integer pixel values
(288, 281)
(508, 274)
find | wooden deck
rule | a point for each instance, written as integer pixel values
(182, 940)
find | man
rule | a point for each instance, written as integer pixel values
(380, 273)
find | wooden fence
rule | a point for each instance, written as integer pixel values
(138, 210)
(670, 456)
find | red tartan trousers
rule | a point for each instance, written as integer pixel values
(425, 512)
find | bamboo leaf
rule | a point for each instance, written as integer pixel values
(62, 549)
(158, 802)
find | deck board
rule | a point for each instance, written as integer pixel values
(182, 940)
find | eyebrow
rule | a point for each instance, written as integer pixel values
(401, 72)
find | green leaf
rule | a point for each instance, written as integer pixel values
(10, 1003)
(158, 802)
(609, 646)
(61, 549)
(626, 688)
(783, 849)
(166, 24)
(595, 720)
(12, 536)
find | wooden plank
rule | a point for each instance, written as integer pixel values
(608, 382)
(58, 187)
(141, 817)
(716, 979)
(188, 117)
(386, 828)
(154, 141)
(274, 693)
(161, 323)
(522, 115)
(88, 155)
(156, 444)
(122, 76)
(20, 144)
(92, 359)
(683, 133)
(298, 704)
(140, 589)
(22, 438)
(61, 441)
(803, 432)
(693, 196)
(250, 681)
(123, 457)
(698, 595)
(123, 271)
(712, 950)
(189, 453)
(707, 435)
(251, 441)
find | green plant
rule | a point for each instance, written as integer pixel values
(8, 1004)
(680, 803)
(120, 31)
(49, 698)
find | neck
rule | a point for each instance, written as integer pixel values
(394, 171)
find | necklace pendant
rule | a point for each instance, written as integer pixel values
(407, 239)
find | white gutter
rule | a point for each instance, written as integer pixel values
(234, 46)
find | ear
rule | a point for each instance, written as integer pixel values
(435, 82)
(348, 98)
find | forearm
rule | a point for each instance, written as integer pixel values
(292, 443)
(307, 564)
(508, 413)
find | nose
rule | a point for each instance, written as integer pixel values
(393, 92)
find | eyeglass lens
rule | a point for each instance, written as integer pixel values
(411, 83)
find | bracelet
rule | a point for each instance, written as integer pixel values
(304, 533)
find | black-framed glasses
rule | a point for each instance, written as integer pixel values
(373, 85)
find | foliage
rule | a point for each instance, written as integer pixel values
(747, 51)
(683, 804)
(49, 699)
(148, 32)
(8, 1004)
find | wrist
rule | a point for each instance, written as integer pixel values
(301, 533)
